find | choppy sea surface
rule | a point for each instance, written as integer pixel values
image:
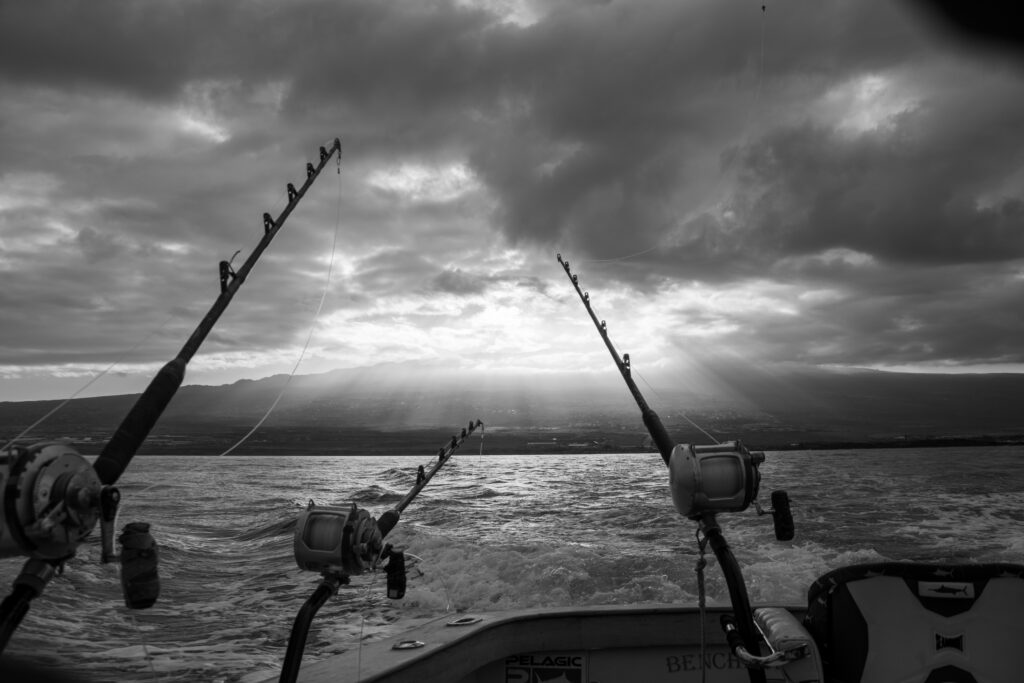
(489, 533)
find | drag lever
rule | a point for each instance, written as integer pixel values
(110, 498)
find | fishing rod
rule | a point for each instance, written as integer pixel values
(651, 420)
(340, 542)
(704, 481)
(118, 452)
(51, 497)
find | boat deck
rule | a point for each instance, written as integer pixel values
(606, 644)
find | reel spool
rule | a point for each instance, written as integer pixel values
(336, 540)
(716, 478)
(51, 499)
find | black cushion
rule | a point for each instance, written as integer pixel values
(897, 621)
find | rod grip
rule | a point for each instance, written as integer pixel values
(659, 434)
(387, 522)
(139, 421)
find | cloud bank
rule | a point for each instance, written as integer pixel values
(832, 184)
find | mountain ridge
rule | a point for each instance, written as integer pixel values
(367, 411)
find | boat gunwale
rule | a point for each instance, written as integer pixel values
(452, 653)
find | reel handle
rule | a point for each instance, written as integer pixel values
(140, 582)
(782, 516)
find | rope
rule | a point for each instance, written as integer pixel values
(312, 327)
(359, 651)
(85, 386)
(701, 602)
(362, 623)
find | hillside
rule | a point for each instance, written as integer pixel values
(348, 412)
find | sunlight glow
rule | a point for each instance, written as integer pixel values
(866, 103)
(198, 114)
(418, 182)
(950, 367)
(194, 125)
(817, 297)
(178, 248)
(837, 256)
(516, 12)
(848, 256)
(559, 153)
(752, 298)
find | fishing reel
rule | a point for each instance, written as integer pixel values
(343, 542)
(723, 478)
(335, 539)
(715, 478)
(50, 501)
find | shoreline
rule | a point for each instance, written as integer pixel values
(952, 442)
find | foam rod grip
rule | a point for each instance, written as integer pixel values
(782, 516)
(118, 452)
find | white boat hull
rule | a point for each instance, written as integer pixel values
(614, 644)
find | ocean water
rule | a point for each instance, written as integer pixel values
(488, 533)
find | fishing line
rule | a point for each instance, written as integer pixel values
(655, 392)
(620, 258)
(312, 327)
(447, 594)
(684, 415)
(480, 453)
(362, 623)
(85, 386)
(145, 646)
(123, 505)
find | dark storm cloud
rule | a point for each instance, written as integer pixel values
(456, 281)
(912, 194)
(943, 316)
(625, 108)
(581, 124)
(535, 284)
(159, 133)
(393, 272)
(358, 51)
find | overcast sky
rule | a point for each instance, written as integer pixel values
(832, 183)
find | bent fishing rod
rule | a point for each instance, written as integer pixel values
(51, 497)
(340, 542)
(706, 480)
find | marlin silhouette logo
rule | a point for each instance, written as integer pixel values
(946, 589)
